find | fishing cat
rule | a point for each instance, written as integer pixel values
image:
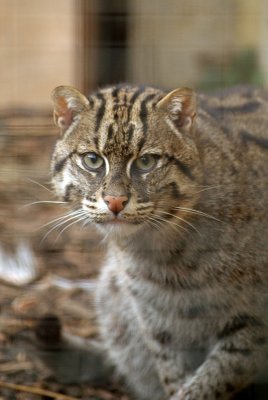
(177, 184)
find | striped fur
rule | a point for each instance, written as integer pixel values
(182, 298)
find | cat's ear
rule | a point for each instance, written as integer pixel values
(180, 105)
(68, 104)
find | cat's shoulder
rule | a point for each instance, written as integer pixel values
(237, 101)
(240, 113)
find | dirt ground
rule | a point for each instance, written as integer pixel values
(56, 274)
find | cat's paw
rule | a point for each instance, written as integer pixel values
(48, 331)
(55, 352)
(178, 395)
(187, 393)
(71, 359)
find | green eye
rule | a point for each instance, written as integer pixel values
(93, 161)
(145, 163)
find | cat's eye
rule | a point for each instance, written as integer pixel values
(145, 163)
(93, 161)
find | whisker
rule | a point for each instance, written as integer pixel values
(58, 219)
(87, 222)
(155, 223)
(43, 202)
(208, 188)
(61, 223)
(181, 219)
(198, 212)
(193, 211)
(68, 226)
(173, 224)
(39, 184)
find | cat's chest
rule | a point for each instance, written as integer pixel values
(187, 313)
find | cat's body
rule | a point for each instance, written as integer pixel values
(182, 298)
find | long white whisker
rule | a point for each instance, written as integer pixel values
(60, 224)
(155, 223)
(181, 219)
(39, 184)
(72, 223)
(60, 218)
(208, 188)
(87, 221)
(193, 211)
(171, 223)
(44, 202)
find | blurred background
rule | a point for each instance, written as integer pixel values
(86, 43)
(203, 44)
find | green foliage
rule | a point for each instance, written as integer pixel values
(242, 68)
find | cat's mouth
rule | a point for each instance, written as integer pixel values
(118, 226)
(108, 219)
(116, 221)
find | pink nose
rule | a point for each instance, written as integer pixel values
(116, 204)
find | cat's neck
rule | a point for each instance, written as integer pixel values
(150, 245)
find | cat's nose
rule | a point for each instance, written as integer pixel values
(115, 203)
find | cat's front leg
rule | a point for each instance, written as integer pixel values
(231, 366)
(71, 359)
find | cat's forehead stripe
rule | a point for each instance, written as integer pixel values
(115, 91)
(100, 112)
(122, 95)
(110, 132)
(113, 106)
(115, 109)
(144, 111)
(130, 132)
(133, 99)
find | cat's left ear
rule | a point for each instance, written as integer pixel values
(68, 104)
(180, 105)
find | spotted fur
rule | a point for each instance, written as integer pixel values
(182, 297)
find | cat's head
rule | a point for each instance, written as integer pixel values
(127, 158)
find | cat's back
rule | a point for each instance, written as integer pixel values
(233, 136)
(240, 115)
(240, 112)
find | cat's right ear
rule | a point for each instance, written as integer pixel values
(68, 104)
(180, 105)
